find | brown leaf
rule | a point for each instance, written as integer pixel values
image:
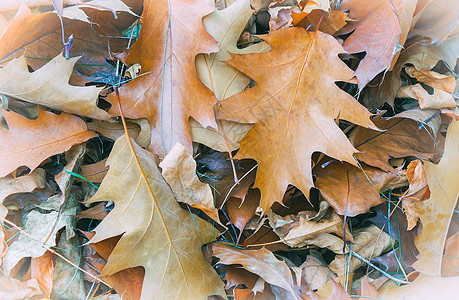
(97, 212)
(436, 212)
(352, 191)
(28, 142)
(139, 130)
(367, 290)
(264, 236)
(241, 211)
(290, 126)
(41, 37)
(157, 233)
(179, 171)
(368, 242)
(418, 191)
(338, 292)
(379, 42)
(170, 80)
(236, 275)
(314, 271)
(41, 269)
(94, 172)
(401, 138)
(261, 262)
(247, 294)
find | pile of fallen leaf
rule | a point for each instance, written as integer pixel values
(241, 149)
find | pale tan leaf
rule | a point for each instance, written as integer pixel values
(215, 139)
(139, 130)
(157, 233)
(75, 12)
(436, 212)
(179, 171)
(49, 86)
(433, 79)
(423, 287)
(314, 270)
(13, 289)
(440, 99)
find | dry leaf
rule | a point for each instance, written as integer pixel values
(436, 19)
(352, 191)
(314, 271)
(299, 230)
(433, 79)
(241, 211)
(440, 99)
(75, 12)
(379, 42)
(402, 137)
(261, 262)
(41, 269)
(179, 171)
(171, 91)
(368, 242)
(436, 212)
(423, 287)
(94, 172)
(157, 233)
(138, 129)
(28, 142)
(215, 139)
(293, 106)
(40, 37)
(418, 190)
(337, 292)
(13, 289)
(49, 86)
(450, 264)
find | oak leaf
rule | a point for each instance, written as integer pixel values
(293, 106)
(352, 191)
(49, 86)
(179, 171)
(157, 233)
(403, 136)
(28, 142)
(438, 100)
(379, 42)
(261, 262)
(170, 91)
(437, 211)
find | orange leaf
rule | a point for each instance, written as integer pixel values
(29, 142)
(170, 91)
(293, 106)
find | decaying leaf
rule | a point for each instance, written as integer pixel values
(368, 242)
(157, 233)
(438, 100)
(299, 230)
(27, 142)
(433, 79)
(436, 212)
(179, 171)
(402, 137)
(352, 191)
(261, 262)
(418, 190)
(14, 289)
(49, 86)
(314, 271)
(293, 106)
